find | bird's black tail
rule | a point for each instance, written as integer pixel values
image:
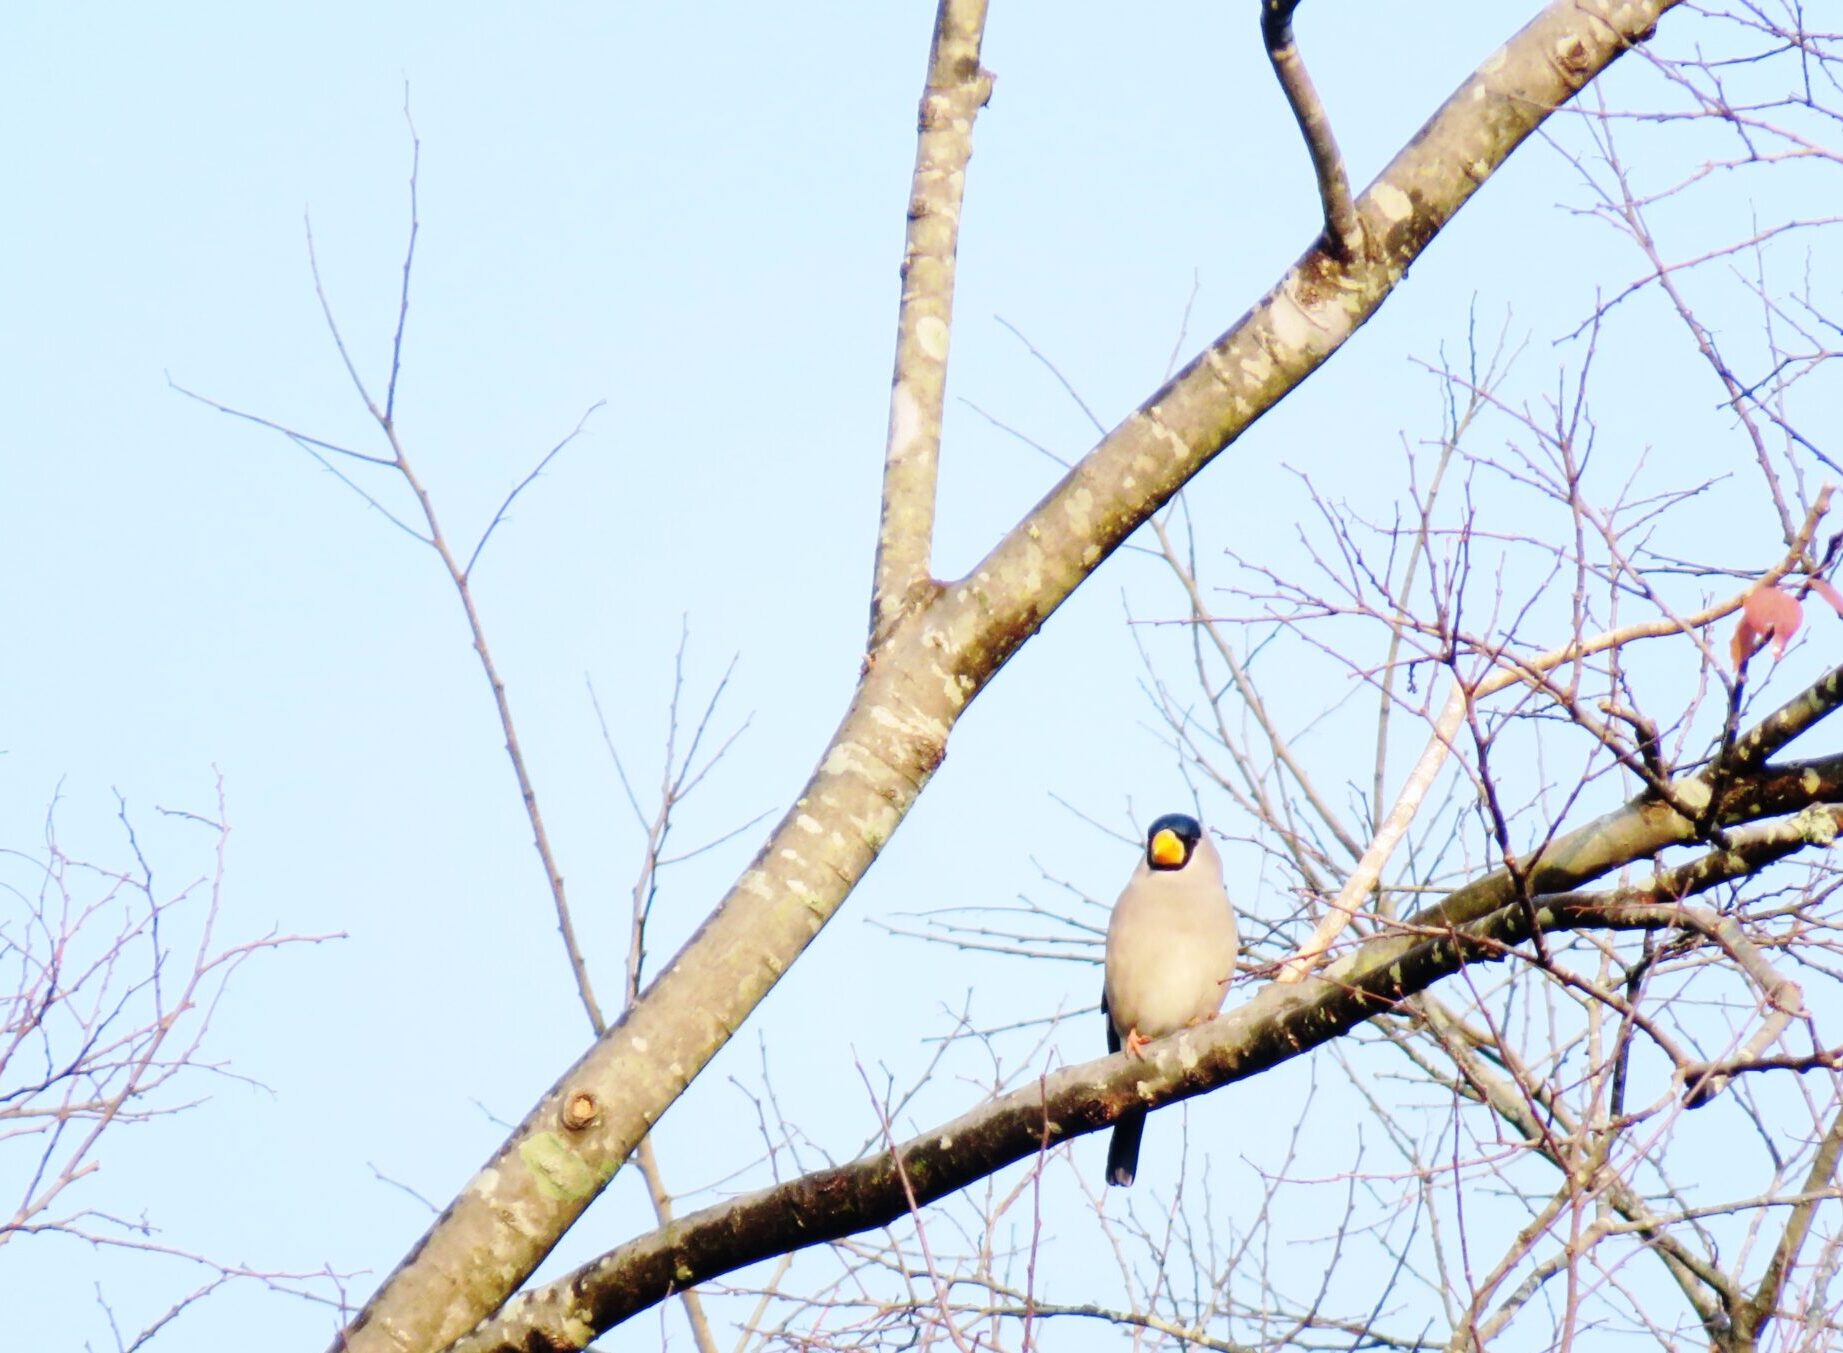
(1123, 1148)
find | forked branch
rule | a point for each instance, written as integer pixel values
(934, 658)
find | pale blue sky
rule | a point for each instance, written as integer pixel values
(695, 214)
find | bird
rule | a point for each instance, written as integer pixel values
(1171, 948)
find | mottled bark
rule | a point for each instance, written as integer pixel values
(957, 89)
(937, 656)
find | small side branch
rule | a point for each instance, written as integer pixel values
(957, 89)
(506, 505)
(1343, 234)
(409, 260)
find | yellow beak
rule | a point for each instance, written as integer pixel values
(1167, 849)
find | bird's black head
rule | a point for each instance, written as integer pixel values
(1170, 841)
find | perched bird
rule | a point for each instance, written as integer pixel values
(1170, 954)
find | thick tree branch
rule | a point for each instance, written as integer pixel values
(1343, 231)
(935, 660)
(1279, 1023)
(957, 89)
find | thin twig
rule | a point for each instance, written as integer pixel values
(409, 257)
(1343, 231)
(536, 470)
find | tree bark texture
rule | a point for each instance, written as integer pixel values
(957, 89)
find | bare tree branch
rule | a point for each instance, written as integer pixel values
(957, 88)
(1343, 230)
